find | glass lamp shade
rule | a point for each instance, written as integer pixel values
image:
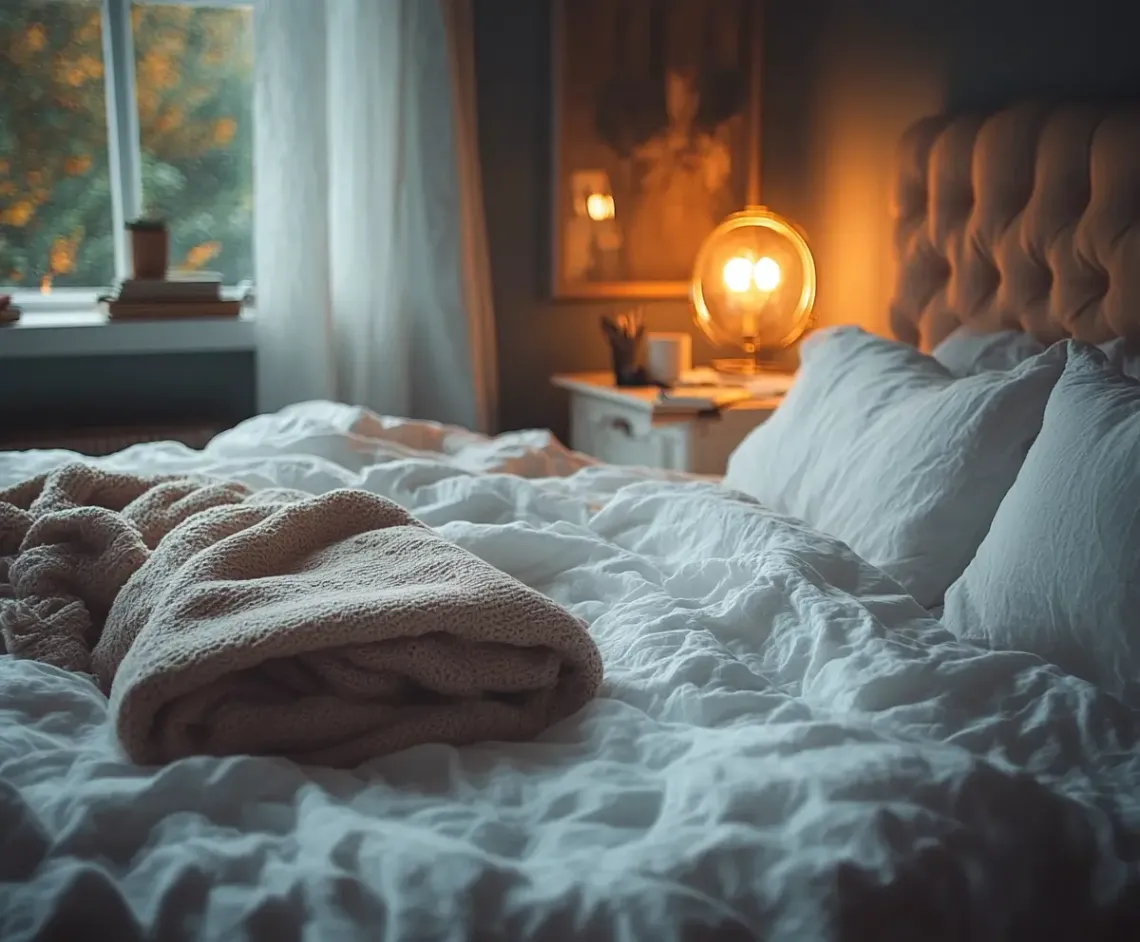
(754, 282)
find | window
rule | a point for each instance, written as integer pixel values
(114, 110)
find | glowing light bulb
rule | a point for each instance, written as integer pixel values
(766, 274)
(600, 206)
(737, 274)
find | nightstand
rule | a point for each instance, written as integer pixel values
(620, 425)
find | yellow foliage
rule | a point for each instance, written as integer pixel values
(7, 188)
(35, 38)
(224, 131)
(77, 166)
(63, 255)
(92, 29)
(171, 44)
(170, 120)
(157, 71)
(148, 102)
(3, 166)
(91, 67)
(18, 214)
(68, 72)
(200, 254)
(35, 177)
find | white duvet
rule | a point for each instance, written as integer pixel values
(786, 746)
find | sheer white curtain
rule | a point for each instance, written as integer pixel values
(373, 285)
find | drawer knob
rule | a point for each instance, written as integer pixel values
(621, 425)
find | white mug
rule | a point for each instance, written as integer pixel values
(668, 356)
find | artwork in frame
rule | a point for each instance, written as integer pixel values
(656, 123)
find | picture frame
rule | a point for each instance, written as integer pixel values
(655, 139)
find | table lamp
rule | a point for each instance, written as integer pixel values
(753, 287)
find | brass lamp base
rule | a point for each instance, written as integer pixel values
(748, 366)
(738, 366)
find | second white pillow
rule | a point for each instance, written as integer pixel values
(1057, 574)
(880, 446)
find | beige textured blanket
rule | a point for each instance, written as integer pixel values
(326, 629)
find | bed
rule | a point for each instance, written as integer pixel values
(809, 727)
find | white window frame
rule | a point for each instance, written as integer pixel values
(124, 149)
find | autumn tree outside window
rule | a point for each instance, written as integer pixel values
(115, 109)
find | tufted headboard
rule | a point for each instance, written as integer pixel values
(1027, 218)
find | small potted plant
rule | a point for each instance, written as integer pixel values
(150, 247)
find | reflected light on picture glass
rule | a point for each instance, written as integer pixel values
(766, 274)
(738, 274)
(600, 206)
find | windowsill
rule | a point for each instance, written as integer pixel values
(89, 333)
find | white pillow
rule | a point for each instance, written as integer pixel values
(967, 351)
(879, 446)
(1059, 572)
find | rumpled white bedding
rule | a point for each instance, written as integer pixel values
(786, 746)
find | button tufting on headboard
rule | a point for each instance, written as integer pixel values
(1027, 218)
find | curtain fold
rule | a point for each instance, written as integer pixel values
(476, 256)
(373, 280)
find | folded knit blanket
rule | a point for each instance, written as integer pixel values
(326, 629)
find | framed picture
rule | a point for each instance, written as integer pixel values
(656, 132)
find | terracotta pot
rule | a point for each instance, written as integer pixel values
(150, 250)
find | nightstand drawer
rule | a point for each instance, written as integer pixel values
(621, 426)
(618, 434)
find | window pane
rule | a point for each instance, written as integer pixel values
(194, 77)
(55, 192)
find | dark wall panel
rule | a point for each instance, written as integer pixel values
(76, 392)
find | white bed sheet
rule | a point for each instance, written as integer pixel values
(786, 745)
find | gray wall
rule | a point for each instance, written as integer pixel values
(842, 79)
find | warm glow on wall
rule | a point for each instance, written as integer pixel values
(600, 206)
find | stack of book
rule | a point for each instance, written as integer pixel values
(685, 399)
(192, 295)
(706, 391)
